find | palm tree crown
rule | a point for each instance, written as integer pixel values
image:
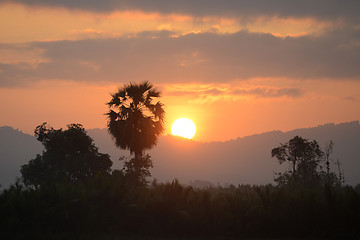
(134, 120)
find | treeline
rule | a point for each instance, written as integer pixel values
(70, 191)
(108, 205)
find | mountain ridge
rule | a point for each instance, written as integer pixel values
(244, 160)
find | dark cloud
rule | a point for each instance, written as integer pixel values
(268, 92)
(325, 9)
(12, 75)
(198, 91)
(214, 91)
(260, 92)
(207, 57)
(351, 98)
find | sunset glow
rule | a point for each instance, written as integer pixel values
(183, 127)
(52, 24)
(245, 68)
(181, 117)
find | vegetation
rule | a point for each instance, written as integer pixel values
(69, 156)
(106, 206)
(310, 166)
(94, 203)
(135, 122)
(70, 192)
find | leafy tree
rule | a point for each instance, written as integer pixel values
(137, 169)
(304, 157)
(69, 156)
(135, 121)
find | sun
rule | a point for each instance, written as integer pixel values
(183, 127)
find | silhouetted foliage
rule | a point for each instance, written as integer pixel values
(106, 206)
(137, 170)
(306, 159)
(69, 156)
(135, 122)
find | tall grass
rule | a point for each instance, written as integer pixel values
(108, 205)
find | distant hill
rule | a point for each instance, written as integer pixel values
(16, 149)
(244, 160)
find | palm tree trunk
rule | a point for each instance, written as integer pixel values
(137, 166)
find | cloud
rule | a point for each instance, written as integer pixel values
(202, 57)
(21, 53)
(196, 89)
(30, 24)
(230, 92)
(351, 98)
(324, 9)
(270, 92)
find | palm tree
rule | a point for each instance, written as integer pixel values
(134, 120)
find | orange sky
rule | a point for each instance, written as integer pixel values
(233, 74)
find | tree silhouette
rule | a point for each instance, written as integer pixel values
(304, 157)
(135, 122)
(69, 156)
(331, 178)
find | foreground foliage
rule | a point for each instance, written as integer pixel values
(70, 156)
(135, 121)
(70, 192)
(310, 165)
(109, 205)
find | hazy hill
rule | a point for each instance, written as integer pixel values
(16, 149)
(243, 160)
(248, 159)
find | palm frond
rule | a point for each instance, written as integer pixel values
(159, 111)
(153, 93)
(133, 120)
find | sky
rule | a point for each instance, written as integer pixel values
(235, 67)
